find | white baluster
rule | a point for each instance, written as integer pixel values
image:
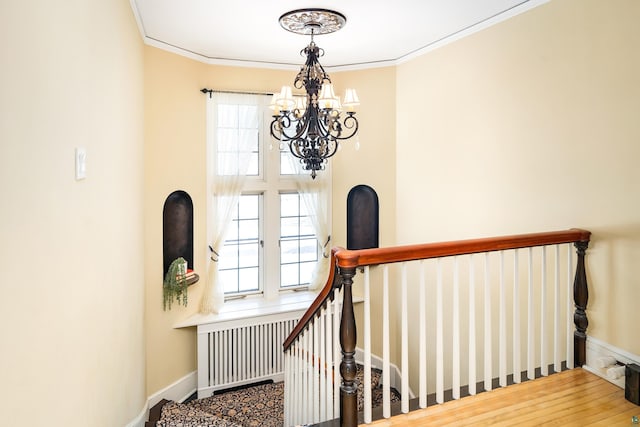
(456, 331)
(544, 366)
(405, 342)
(337, 304)
(423, 338)
(487, 326)
(472, 327)
(298, 381)
(439, 335)
(367, 348)
(315, 372)
(304, 395)
(503, 327)
(329, 366)
(287, 389)
(556, 314)
(516, 319)
(322, 367)
(530, 321)
(386, 392)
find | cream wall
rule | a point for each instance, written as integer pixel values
(72, 328)
(372, 164)
(532, 125)
(175, 159)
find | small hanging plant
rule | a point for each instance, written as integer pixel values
(175, 284)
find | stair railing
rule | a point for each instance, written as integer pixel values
(312, 351)
(438, 269)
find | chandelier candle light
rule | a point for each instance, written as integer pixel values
(313, 125)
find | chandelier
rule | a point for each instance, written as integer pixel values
(313, 124)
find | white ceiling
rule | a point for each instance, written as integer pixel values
(377, 33)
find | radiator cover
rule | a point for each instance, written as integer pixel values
(242, 351)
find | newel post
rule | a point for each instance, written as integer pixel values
(348, 388)
(580, 297)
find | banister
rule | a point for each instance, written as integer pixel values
(345, 258)
(362, 257)
(325, 293)
(345, 262)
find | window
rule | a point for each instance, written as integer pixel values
(298, 245)
(241, 252)
(270, 244)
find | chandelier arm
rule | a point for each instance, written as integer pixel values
(350, 122)
(282, 122)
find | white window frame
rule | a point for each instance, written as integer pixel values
(270, 184)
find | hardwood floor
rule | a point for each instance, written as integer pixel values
(570, 398)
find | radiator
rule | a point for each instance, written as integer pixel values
(243, 351)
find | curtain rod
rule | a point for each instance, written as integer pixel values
(211, 91)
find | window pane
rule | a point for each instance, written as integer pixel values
(289, 251)
(227, 163)
(288, 227)
(308, 250)
(306, 270)
(228, 257)
(289, 275)
(248, 116)
(251, 138)
(249, 279)
(306, 229)
(249, 255)
(226, 140)
(227, 116)
(286, 166)
(289, 204)
(254, 165)
(238, 126)
(241, 252)
(248, 206)
(229, 279)
(232, 232)
(298, 247)
(248, 229)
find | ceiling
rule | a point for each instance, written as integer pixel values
(377, 32)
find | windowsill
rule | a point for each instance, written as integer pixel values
(249, 307)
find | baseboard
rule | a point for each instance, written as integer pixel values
(179, 391)
(395, 375)
(597, 349)
(141, 418)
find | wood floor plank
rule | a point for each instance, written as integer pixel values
(571, 398)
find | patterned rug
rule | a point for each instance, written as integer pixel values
(261, 405)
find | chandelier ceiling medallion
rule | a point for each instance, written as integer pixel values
(313, 124)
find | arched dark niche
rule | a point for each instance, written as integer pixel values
(362, 218)
(177, 229)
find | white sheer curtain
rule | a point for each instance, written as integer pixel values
(232, 137)
(316, 196)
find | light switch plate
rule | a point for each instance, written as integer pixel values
(81, 163)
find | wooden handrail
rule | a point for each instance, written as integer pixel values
(363, 257)
(325, 294)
